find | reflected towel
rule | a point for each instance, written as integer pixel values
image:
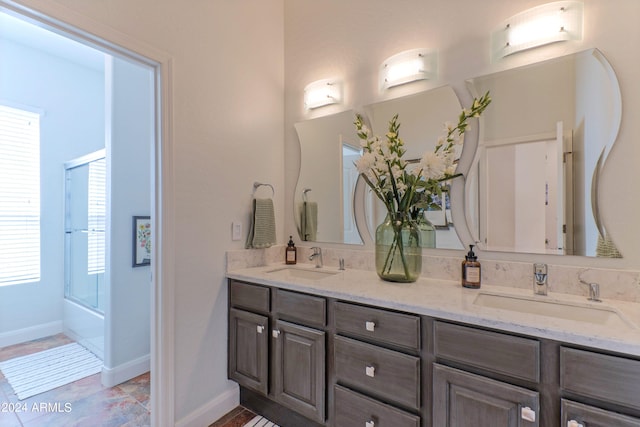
(605, 248)
(262, 232)
(309, 221)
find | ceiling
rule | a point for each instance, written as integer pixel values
(25, 33)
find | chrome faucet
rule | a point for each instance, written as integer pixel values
(594, 292)
(317, 255)
(540, 286)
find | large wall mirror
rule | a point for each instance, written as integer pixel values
(324, 195)
(422, 119)
(533, 184)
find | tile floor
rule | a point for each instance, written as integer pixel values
(236, 418)
(82, 403)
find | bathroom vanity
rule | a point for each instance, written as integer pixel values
(343, 348)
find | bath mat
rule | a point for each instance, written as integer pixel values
(259, 421)
(49, 369)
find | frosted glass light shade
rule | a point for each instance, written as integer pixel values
(406, 67)
(322, 92)
(538, 26)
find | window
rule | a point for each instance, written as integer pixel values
(96, 220)
(19, 196)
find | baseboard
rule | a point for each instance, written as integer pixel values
(30, 333)
(212, 411)
(121, 373)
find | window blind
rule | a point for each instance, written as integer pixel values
(19, 196)
(96, 221)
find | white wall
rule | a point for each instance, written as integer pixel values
(228, 80)
(127, 330)
(72, 99)
(349, 40)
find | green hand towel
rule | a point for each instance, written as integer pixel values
(309, 221)
(262, 233)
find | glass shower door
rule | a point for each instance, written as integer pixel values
(85, 221)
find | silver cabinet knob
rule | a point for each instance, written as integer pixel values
(370, 326)
(574, 423)
(275, 333)
(528, 414)
(259, 329)
(370, 371)
(369, 424)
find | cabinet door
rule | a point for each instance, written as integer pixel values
(461, 399)
(575, 414)
(299, 369)
(249, 349)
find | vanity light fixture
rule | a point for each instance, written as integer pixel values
(538, 26)
(322, 92)
(406, 67)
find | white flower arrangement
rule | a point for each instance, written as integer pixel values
(404, 189)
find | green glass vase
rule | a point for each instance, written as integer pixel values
(427, 232)
(398, 250)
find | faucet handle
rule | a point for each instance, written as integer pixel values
(540, 273)
(594, 292)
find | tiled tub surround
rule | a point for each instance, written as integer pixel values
(439, 294)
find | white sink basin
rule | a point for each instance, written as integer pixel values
(302, 273)
(594, 313)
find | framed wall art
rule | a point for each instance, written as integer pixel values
(141, 241)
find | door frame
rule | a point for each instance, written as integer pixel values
(70, 24)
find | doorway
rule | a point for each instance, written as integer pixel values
(156, 85)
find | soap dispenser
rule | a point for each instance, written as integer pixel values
(291, 253)
(471, 270)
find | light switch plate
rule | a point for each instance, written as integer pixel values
(236, 230)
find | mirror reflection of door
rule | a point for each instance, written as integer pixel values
(524, 188)
(350, 154)
(582, 91)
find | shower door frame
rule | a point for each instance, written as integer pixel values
(72, 164)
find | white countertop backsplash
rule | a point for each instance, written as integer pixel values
(438, 292)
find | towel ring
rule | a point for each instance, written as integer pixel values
(256, 185)
(304, 193)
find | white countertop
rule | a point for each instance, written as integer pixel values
(448, 300)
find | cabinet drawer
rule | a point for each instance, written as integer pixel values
(385, 374)
(309, 309)
(378, 325)
(500, 353)
(592, 416)
(251, 297)
(609, 378)
(353, 409)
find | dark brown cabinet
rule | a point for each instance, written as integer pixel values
(249, 349)
(299, 368)
(461, 399)
(595, 377)
(355, 409)
(308, 360)
(579, 415)
(283, 360)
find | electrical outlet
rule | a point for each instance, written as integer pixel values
(236, 230)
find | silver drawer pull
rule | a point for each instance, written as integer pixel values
(528, 414)
(574, 423)
(370, 326)
(275, 333)
(369, 424)
(259, 328)
(370, 371)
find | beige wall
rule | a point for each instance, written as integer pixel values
(349, 40)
